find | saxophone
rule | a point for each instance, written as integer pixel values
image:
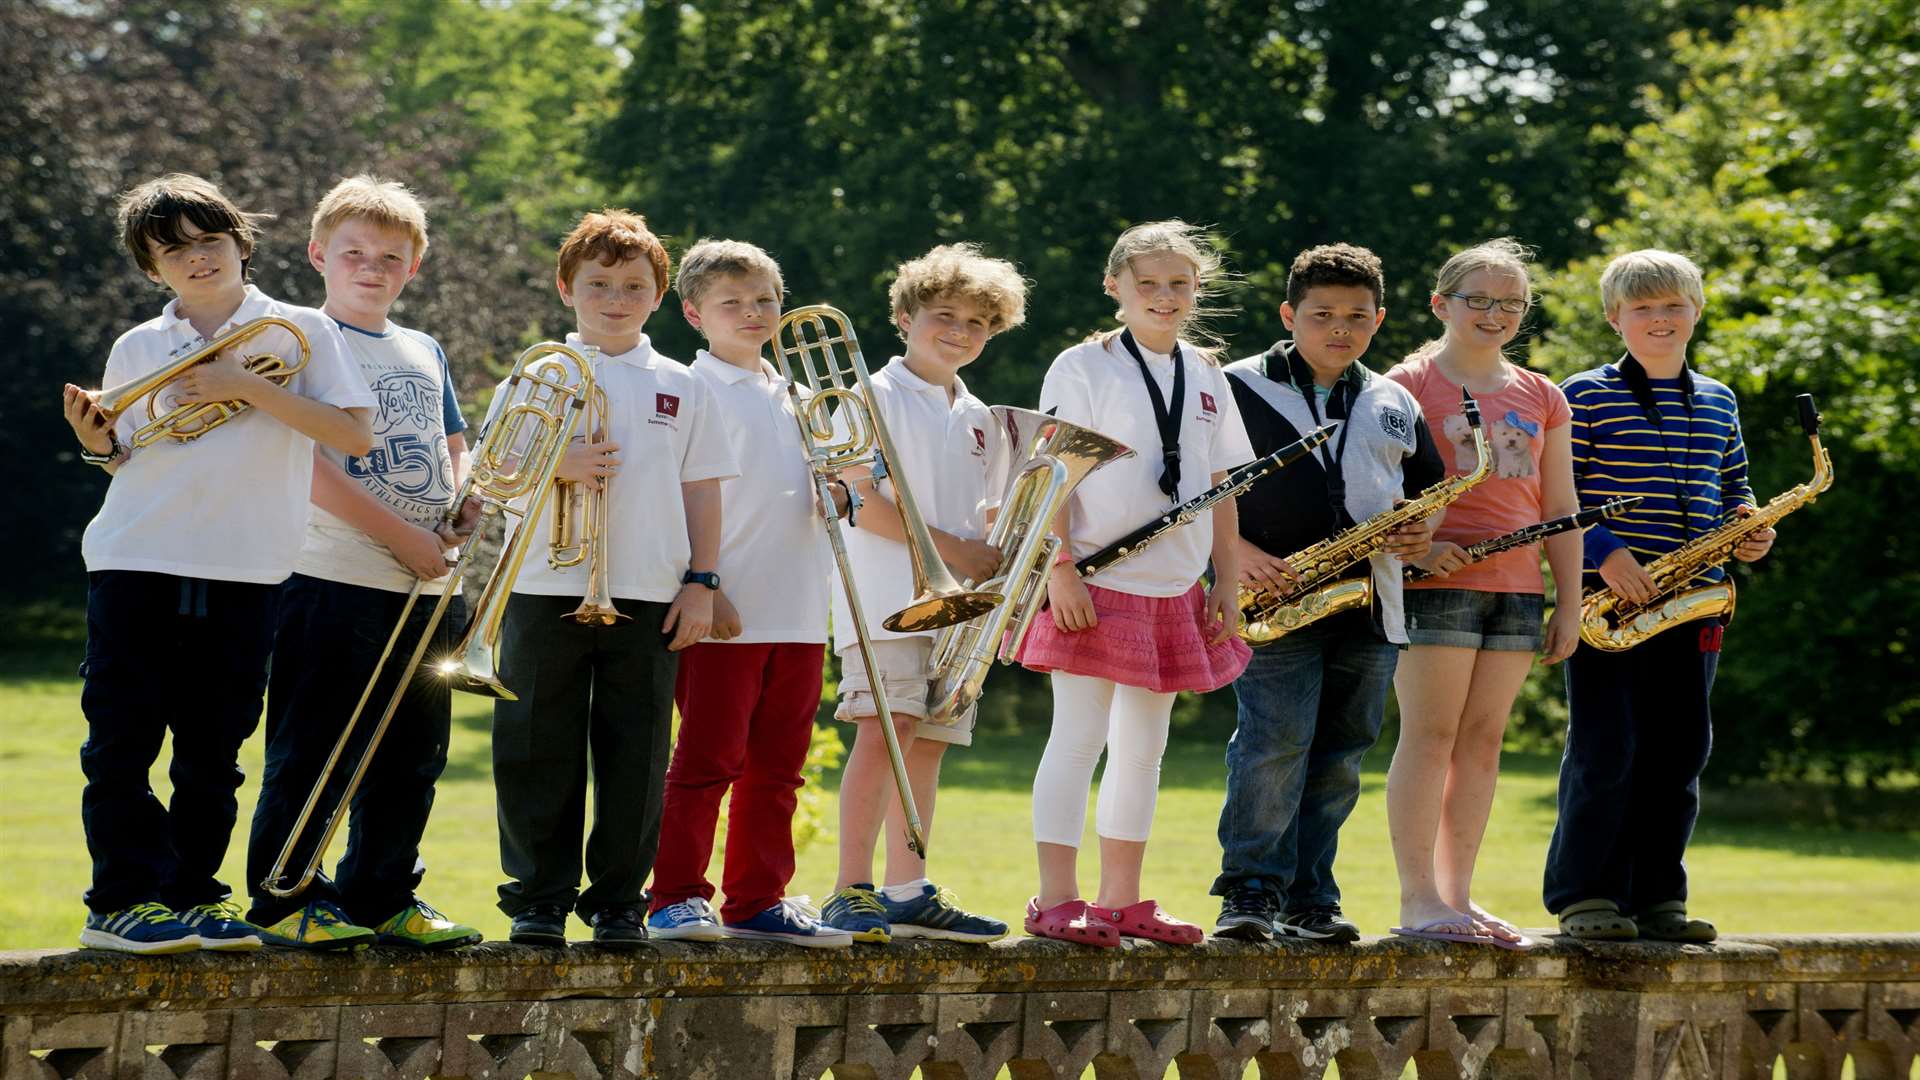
(1265, 616)
(1611, 624)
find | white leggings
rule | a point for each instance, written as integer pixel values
(1089, 714)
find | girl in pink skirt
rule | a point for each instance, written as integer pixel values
(1123, 642)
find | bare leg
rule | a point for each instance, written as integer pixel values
(1059, 874)
(866, 788)
(1120, 862)
(1432, 683)
(923, 776)
(1497, 676)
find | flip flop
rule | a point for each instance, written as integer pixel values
(1669, 922)
(1497, 925)
(1146, 920)
(1429, 931)
(1069, 921)
(1597, 920)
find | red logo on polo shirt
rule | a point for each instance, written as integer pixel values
(666, 404)
(1206, 402)
(980, 440)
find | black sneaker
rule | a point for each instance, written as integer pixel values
(620, 927)
(1323, 923)
(541, 924)
(1246, 913)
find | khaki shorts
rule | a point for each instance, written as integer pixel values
(903, 667)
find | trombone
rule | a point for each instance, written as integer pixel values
(516, 458)
(1051, 458)
(815, 348)
(188, 422)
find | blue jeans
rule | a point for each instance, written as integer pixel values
(1311, 705)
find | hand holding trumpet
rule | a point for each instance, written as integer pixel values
(589, 462)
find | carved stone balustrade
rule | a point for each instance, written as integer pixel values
(1033, 1008)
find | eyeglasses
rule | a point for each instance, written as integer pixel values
(1486, 303)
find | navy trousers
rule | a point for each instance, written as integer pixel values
(167, 654)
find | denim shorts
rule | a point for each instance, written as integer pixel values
(1471, 619)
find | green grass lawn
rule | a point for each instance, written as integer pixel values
(1759, 872)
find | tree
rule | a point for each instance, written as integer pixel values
(1788, 166)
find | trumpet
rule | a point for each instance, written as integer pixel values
(579, 532)
(1051, 457)
(1610, 623)
(544, 398)
(185, 423)
(816, 343)
(1320, 591)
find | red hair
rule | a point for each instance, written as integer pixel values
(611, 237)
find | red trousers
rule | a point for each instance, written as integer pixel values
(746, 719)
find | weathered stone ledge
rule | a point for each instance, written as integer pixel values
(1037, 1008)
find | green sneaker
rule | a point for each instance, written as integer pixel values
(319, 925)
(420, 927)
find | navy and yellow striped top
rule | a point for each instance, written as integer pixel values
(1674, 442)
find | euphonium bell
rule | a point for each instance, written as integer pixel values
(1050, 458)
(186, 423)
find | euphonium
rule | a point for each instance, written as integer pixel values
(1318, 590)
(817, 352)
(1051, 457)
(579, 532)
(514, 459)
(188, 422)
(1610, 623)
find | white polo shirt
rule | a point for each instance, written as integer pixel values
(954, 461)
(232, 504)
(1098, 385)
(409, 469)
(669, 434)
(774, 561)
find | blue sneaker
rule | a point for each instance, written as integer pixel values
(933, 914)
(691, 919)
(856, 909)
(148, 928)
(220, 927)
(793, 921)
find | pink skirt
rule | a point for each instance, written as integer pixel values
(1158, 643)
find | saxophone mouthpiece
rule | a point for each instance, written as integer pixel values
(1469, 408)
(1809, 414)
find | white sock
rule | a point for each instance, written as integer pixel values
(905, 891)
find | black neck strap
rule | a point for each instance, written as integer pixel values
(1339, 407)
(1165, 418)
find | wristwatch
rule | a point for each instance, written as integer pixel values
(708, 578)
(113, 451)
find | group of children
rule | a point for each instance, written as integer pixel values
(297, 528)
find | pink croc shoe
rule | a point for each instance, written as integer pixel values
(1146, 920)
(1070, 921)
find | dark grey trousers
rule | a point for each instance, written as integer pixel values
(593, 699)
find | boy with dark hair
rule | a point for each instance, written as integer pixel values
(1311, 703)
(184, 565)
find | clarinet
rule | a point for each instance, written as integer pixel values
(1236, 482)
(1521, 537)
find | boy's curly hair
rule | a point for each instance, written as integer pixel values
(1335, 264)
(962, 270)
(151, 213)
(610, 237)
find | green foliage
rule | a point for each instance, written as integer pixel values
(1788, 166)
(847, 137)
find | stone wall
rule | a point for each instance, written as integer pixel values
(1034, 1008)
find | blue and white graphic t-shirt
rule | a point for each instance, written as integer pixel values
(408, 469)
